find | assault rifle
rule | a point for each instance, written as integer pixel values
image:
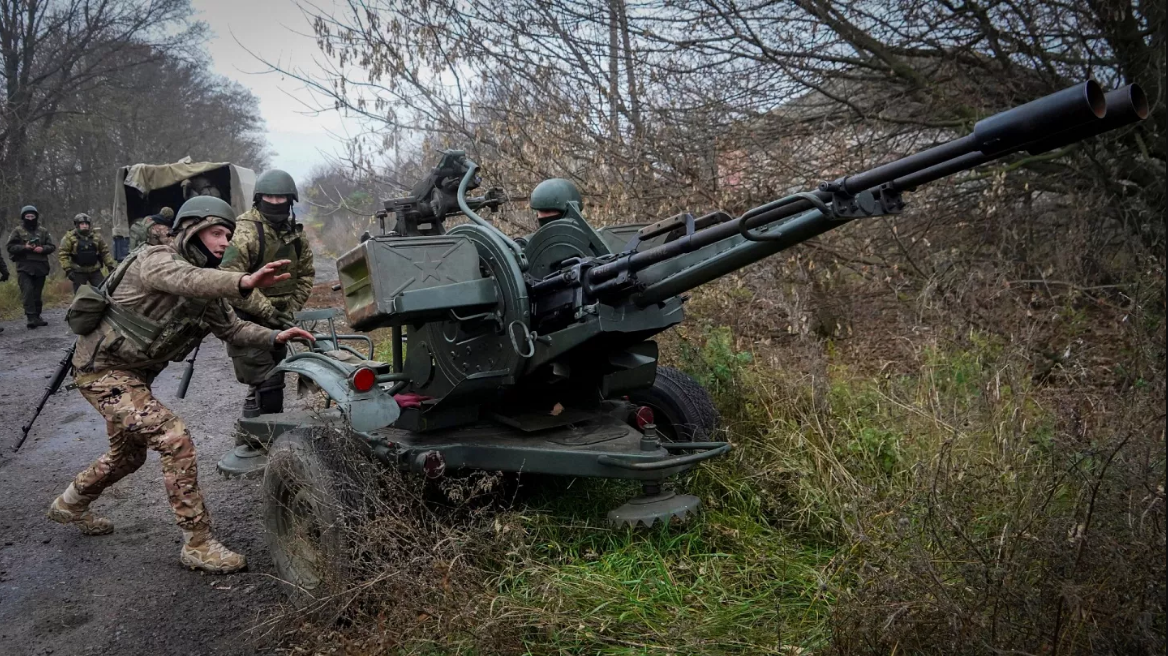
(55, 384)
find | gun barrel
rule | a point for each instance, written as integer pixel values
(1125, 106)
(1059, 118)
(1065, 110)
(188, 371)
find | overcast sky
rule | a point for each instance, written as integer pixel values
(277, 31)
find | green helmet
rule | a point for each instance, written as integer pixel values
(29, 209)
(203, 206)
(276, 183)
(554, 194)
(81, 217)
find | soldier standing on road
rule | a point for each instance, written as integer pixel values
(29, 246)
(139, 231)
(163, 300)
(266, 233)
(82, 253)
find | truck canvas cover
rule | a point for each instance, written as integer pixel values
(144, 189)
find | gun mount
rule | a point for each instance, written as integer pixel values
(536, 354)
(502, 330)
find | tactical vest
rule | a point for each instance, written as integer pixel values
(169, 337)
(277, 246)
(85, 251)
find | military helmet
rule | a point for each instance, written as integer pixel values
(29, 209)
(204, 206)
(276, 183)
(166, 213)
(554, 194)
(81, 217)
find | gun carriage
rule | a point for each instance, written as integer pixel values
(536, 354)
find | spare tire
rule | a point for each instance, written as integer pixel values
(682, 409)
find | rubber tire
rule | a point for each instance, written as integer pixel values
(302, 514)
(682, 408)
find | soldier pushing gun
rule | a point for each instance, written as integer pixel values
(155, 308)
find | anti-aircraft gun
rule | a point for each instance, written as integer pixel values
(536, 354)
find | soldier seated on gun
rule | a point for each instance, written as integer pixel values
(82, 253)
(550, 199)
(163, 300)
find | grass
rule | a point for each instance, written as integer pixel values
(58, 292)
(729, 584)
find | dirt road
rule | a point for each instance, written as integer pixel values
(124, 593)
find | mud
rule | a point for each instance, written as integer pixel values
(124, 593)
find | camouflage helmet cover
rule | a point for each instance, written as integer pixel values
(81, 217)
(167, 213)
(276, 183)
(554, 194)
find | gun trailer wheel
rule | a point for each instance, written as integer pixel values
(682, 408)
(301, 513)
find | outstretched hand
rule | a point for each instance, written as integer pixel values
(266, 276)
(284, 336)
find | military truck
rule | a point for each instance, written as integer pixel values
(144, 189)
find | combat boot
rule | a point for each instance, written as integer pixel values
(201, 551)
(40, 321)
(31, 324)
(72, 507)
(251, 407)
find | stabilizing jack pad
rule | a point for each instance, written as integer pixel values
(243, 460)
(645, 510)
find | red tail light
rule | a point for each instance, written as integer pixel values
(643, 417)
(363, 379)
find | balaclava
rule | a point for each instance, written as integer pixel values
(276, 213)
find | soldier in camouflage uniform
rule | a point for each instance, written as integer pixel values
(163, 300)
(139, 232)
(29, 246)
(82, 253)
(266, 233)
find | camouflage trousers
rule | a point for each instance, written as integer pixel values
(136, 421)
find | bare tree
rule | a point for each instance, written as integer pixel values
(55, 50)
